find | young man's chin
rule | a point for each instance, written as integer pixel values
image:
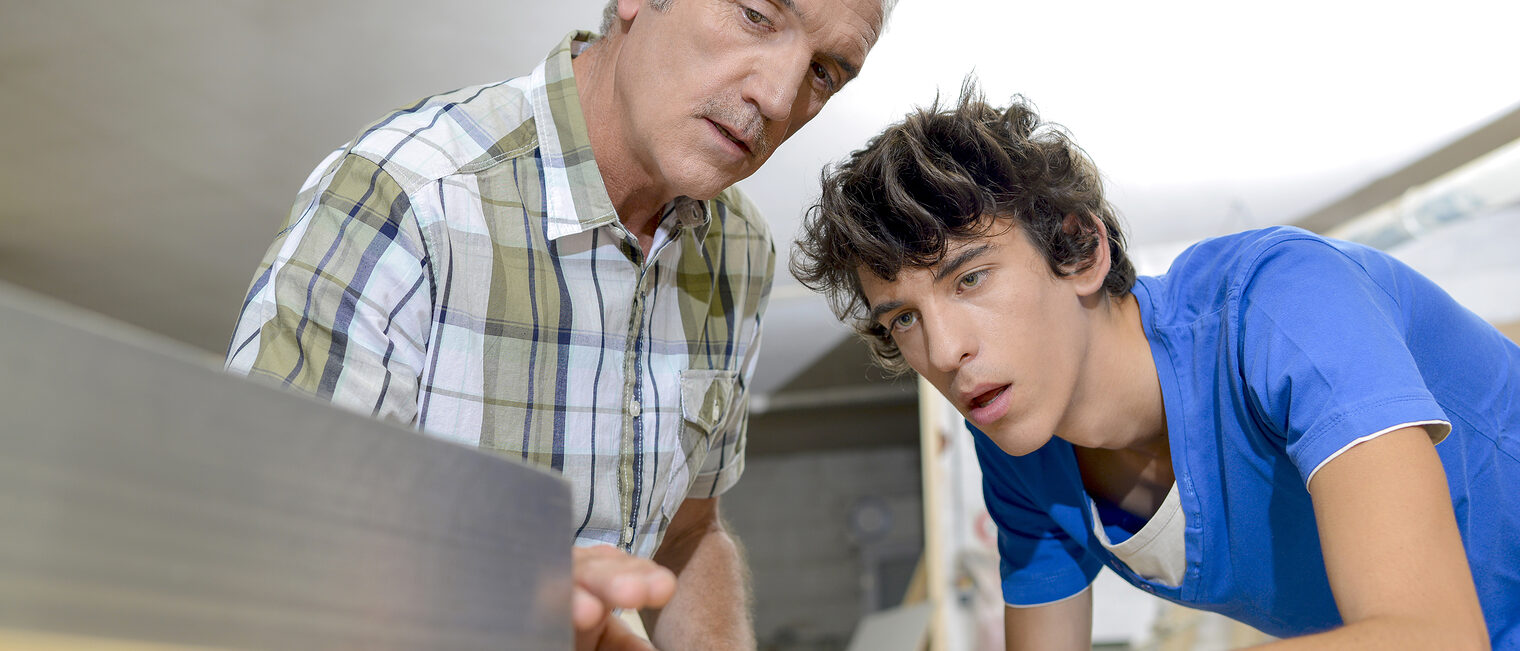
(1012, 443)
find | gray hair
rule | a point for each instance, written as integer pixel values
(610, 17)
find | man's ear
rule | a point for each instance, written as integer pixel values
(1088, 228)
(627, 9)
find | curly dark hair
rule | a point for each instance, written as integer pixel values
(947, 175)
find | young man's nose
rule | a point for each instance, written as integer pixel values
(950, 344)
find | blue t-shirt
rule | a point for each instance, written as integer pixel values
(1275, 350)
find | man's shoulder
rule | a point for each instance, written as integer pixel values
(458, 131)
(733, 203)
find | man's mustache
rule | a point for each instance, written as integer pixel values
(743, 121)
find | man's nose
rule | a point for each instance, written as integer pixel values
(775, 82)
(950, 344)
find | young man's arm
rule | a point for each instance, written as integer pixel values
(710, 609)
(1065, 625)
(1392, 550)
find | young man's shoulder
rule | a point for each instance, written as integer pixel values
(1240, 252)
(1218, 271)
(1237, 260)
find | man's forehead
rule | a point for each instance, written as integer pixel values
(849, 27)
(870, 12)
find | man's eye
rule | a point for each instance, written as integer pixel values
(821, 73)
(904, 321)
(972, 279)
(755, 17)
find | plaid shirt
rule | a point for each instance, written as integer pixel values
(459, 267)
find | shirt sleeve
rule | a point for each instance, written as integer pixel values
(1039, 561)
(340, 307)
(1324, 355)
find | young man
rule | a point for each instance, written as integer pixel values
(1251, 433)
(555, 268)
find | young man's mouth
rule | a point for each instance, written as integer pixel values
(989, 406)
(986, 398)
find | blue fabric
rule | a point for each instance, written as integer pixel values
(1276, 349)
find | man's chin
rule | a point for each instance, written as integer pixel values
(708, 185)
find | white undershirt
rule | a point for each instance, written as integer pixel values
(1158, 551)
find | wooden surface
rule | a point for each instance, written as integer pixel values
(16, 640)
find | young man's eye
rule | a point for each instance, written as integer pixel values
(904, 321)
(972, 279)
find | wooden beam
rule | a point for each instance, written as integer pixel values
(1483, 140)
(931, 420)
(1511, 330)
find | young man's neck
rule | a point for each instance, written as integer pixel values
(638, 198)
(1123, 408)
(1129, 463)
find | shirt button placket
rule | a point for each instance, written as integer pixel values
(635, 409)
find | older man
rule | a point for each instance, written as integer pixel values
(555, 268)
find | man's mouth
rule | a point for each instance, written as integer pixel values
(986, 398)
(731, 138)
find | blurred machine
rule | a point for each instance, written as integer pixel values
(151, 501)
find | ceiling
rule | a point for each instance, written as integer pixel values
(150, 148)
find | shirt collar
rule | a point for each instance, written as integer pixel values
(689, 212)
(575, 196)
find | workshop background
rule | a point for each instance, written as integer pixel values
(149, 149)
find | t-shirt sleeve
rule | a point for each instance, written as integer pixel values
(1039, 561)
(1324, 356)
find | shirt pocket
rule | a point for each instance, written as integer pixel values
(707, 400)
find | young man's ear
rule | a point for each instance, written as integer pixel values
(1088, 228)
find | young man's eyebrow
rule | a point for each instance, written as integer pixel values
(959, 261)
(881, 310)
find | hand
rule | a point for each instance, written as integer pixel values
(607, 578)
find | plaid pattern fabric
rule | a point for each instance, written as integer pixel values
(459, 267)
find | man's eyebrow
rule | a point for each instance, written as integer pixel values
(851, 70)
(881, 310)
(959, 261)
